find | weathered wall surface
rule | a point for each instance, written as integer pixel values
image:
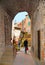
(5, 30)
(39, 24)
(2, 34)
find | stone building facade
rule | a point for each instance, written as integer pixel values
(38, 32)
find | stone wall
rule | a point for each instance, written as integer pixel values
(5, 36)
(2, 34)
(7, 27)
(39, 25)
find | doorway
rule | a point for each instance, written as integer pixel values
(38, 44)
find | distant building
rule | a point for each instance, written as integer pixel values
(24, 26)
(27, 24)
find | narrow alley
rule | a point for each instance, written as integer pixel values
(17, 35)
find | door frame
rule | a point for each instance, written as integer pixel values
(39, 47)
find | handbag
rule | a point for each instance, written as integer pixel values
(27, 48)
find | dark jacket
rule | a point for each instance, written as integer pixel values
(26, 43)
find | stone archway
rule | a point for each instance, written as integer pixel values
(37, 15)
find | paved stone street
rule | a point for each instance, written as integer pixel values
(24, 59)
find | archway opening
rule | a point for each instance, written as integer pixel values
(21, 29)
